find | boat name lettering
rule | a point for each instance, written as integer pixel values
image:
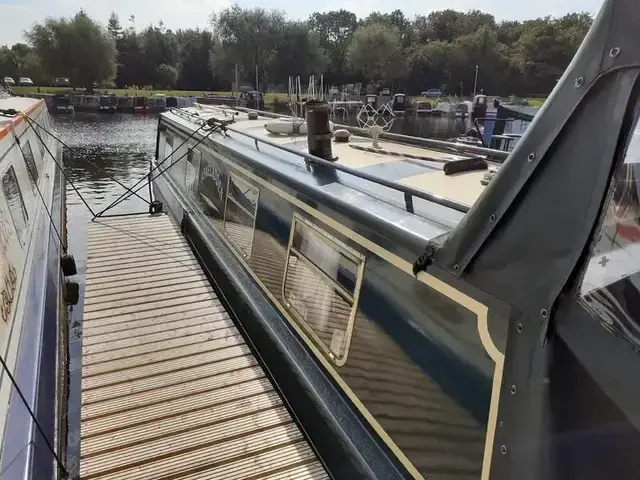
(212, 172)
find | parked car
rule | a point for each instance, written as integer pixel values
(61, 82)
(8, 81)
(26, 81)
(432, 93)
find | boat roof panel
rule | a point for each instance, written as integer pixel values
(409, 163)
(406, 165)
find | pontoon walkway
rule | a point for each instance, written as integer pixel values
(169, 387)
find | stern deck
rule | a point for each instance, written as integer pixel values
(170, 389)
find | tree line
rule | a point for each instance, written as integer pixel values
(441, 49)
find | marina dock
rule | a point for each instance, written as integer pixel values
(170, 389)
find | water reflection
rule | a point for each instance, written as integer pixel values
(122, 146)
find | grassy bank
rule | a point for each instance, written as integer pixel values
(116, 91)
(269, 98)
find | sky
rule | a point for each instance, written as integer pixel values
(16, 16)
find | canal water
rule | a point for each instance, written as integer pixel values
(120, 146)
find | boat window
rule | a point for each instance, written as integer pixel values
(610, 288)
(321, 286)
(41, 141)
(212, 183)
(27, 152)
(168, 150)
(13, 196)
(240, 214)
(191, 171)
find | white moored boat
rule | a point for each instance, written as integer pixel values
(32, 216)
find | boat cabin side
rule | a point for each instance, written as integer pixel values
(509, 347)
(343, 280)
(31, 207)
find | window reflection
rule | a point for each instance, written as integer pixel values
(610, 287)
(13, 196)
(240, 214)
(321, 253)
(211, 186)
(192, 169)
(27, 153)
(321, 287)
(168, 153)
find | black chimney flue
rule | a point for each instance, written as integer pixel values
(319, 130)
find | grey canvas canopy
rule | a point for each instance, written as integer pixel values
(570, 398)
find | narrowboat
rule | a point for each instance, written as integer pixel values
(479, 107)
(399, 104)
(432, 310)
(172, 102)
(33, 265)
(424, 108)
(140, 104)
(125, 104)
(158, 102)
(108, 103)
(332, 282)
(86, 102)
(185, 101)
(62, 103)
(371, 99)
(251, 99)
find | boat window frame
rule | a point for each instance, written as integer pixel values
(241, 252)
(343, 249)
(192, 152)
(30, 163)
(168, 140)
(10, 170)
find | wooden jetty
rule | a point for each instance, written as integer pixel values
(170, 388)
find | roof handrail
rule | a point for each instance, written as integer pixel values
(400, 138)
(409, 192)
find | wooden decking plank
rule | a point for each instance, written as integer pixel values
(168, 382)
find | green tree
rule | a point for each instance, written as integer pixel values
(439, 49)
(78, 48)
(160, 48)
(298, 52)
(334, 30)
(130, 60)
(194, 47)
(113, 26)
(433, 65)
(248, 38)
(166, 76)
(375, 51)
(21, 61)
(545, 48)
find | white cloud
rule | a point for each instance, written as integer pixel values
(16, 17)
